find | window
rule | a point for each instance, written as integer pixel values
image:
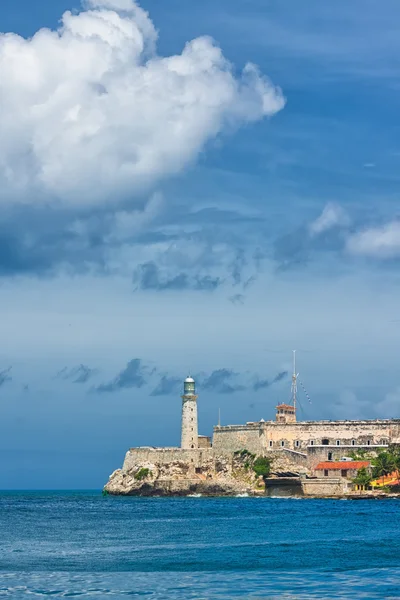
(192, 446)
(343, 473)
(311, 442)
(282, 443)
(271, 443)
(368, 442)
(325, 442)
(326, 472)
(353, 442)
(329, 455)
(337, 442)
(297, 443)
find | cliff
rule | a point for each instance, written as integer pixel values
(150, 474)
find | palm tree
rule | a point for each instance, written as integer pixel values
(383, 464)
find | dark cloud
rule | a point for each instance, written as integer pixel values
(5, 376)
(223, 381)
(78, 241)
(262, 384)
(80, 374)
(135, 375)
(282, 375)
(166, 386)
(148, 276)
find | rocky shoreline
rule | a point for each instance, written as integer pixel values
(226, 476)
(151, 472)
(143, 482)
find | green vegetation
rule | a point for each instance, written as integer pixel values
(142, 474)
(363, 478)
(386, 462)
(262, 466)
(383, 464)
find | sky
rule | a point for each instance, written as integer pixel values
(192, 188)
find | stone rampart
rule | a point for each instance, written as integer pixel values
(300, 436)
(326, 487)
(164, 456)
(237, 437)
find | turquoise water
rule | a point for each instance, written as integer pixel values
(79, 544)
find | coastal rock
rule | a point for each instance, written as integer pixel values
(217, 476)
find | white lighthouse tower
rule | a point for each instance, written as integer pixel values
(190, 434)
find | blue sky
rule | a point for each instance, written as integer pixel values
(165, 212)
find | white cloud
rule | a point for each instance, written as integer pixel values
(332, 216)
(91, 114)
(118, 5)
(376, 242)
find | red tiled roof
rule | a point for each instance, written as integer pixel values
(343, 464)
(285, 406)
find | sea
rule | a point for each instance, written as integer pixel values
(83, 545)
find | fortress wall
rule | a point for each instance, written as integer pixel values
(345, 432)
(300, 436)
(164, 456)
(322, 487)
(237, 437)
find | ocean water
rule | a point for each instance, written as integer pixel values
(79, 544)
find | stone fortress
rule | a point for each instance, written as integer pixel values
(212, 466)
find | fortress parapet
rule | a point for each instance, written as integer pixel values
(333, 437)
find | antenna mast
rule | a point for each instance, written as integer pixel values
(294, 382)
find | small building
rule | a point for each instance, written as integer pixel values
(285, 413)
(346, 469)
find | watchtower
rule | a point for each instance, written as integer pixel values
(285, 413)
(190, 434)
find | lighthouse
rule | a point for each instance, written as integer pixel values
(190, 434)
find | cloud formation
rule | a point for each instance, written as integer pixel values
(327, 234)
(223, 381)
(138, 374)
(91, 114)
(148, 277)
(376, 242)
(167, 385)
(332, 216)
(262, 384)
(135, 375)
